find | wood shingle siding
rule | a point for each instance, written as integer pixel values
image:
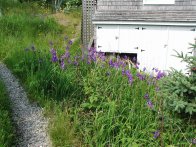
(124, 5)
(163, 16)
(182, 10)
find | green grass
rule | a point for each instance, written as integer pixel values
(89, 104)
(6, 126)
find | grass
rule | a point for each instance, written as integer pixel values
(6, 126)
(92, 101)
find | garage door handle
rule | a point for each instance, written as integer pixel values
(143, 28)
(99, 27)
(190, 52)
(193, 29)
(142, 50)
(99, 46)
(137, 28)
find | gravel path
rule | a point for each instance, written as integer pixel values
(31, 126)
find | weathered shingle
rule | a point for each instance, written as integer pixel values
(135, 10)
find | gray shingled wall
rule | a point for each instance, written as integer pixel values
(124, 5)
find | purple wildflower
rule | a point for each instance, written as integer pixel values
(156, 134)
(137, 65)
(144, 69)
(134, 59)
(70, 42)
(116, 65)
(62, 64)
(129, 76)
(150, 104)
(123, 72)
(125, 57)
(140, 76)
(67, 47)
(193, 141)
(146, 96)
(111, 63)
(54, 55)
(75, 63)
(160, 75)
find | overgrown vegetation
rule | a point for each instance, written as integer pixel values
(179, 90)
(92, 100)
(6, 126)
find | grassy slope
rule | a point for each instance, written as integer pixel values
(6, 128)
(25, 25)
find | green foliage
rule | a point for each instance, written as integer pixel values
(179, 90)
(6, 128)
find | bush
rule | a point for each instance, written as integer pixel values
(179, 90)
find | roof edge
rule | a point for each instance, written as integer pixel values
(145, 23)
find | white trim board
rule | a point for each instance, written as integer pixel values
(193, 24)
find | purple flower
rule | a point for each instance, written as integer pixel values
(150, 104)
(125, 57)
(137, 65)
(70, 42)
(116, 65)
(123, 72)
(54, 55)
(134, 59)
(140, 76)
(129, 76)
(146, 96)
(156, 134)
(193, 141)
(155, 69)
(144, 69)
(62, 64)
(160, 75)
(75, 63)
(111, 63)
(67, 47)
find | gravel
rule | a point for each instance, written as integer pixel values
(31, 126)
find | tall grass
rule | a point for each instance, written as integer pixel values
(6, 126)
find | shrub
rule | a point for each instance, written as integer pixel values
(179, 90)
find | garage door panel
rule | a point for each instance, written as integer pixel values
(107, 38)
(129, 39)
(180, 39)
(153, 48)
